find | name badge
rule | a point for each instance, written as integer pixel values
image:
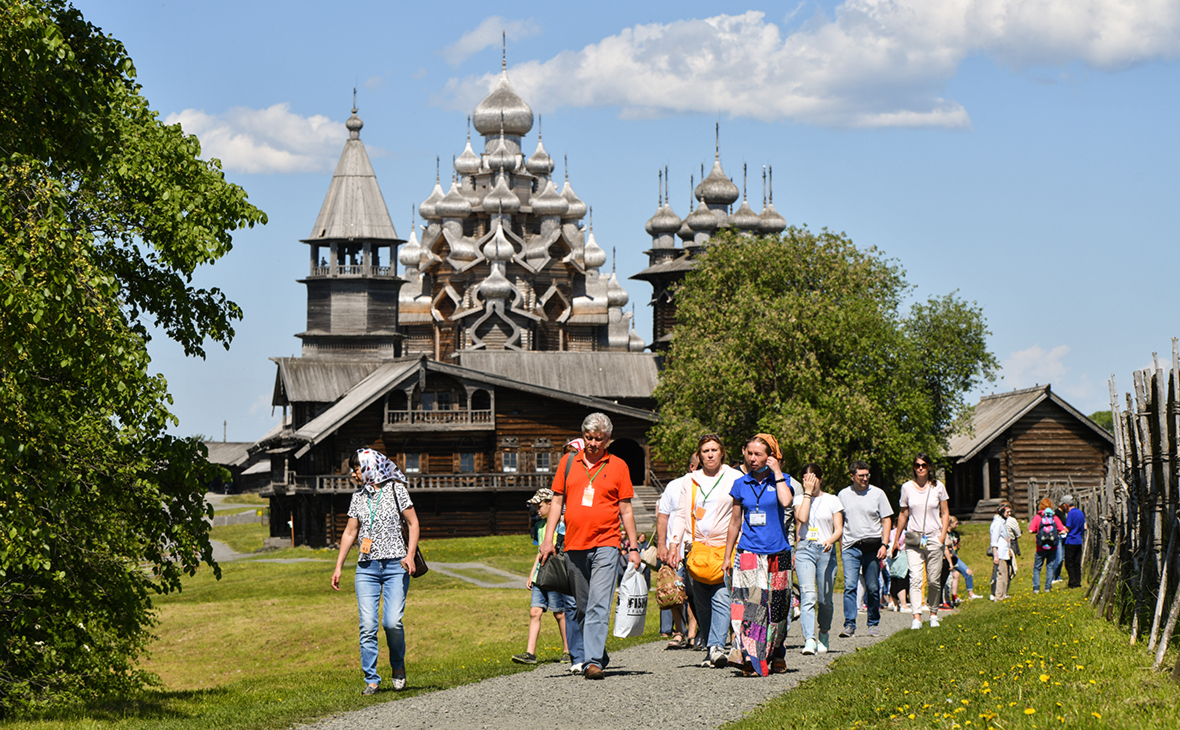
(366, 546)
(922, 543)
(588, 497)
(757, 518)
(813, 533)
(700, 513)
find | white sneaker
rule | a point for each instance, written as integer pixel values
(917, 624)
(399, 683)
(934, 622)
(575, 669)
(809, 647)
(822, 644)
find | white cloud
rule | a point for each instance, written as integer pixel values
(487, 34)
(268, 140)
(877, 63)
(374, 82)
(1037, 366)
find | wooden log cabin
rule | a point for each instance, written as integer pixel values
(1023, 445)
(475, 366)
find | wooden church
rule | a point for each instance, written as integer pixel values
(473, 366)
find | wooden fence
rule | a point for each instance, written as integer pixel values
(1133, 524)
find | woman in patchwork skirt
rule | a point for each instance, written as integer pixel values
(760, 592)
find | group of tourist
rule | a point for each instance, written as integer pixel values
(733, 533)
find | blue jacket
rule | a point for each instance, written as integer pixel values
(1075, 522)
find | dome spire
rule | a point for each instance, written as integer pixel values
(716, 144)
(503, 50)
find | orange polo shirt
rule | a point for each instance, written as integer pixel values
(596, 524)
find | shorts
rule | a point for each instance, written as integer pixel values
(548, 600)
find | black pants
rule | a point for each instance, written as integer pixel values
(1073, 565)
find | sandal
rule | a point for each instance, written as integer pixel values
(677, 641)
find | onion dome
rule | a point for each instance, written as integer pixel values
(593, 256)
(717, 189)
(635, 343)
(501, 199)
(577, 209)
(468, 163)
(428, 208)
(664, 221)
(410, 254)
(702, 219)
(745, 219)
(770, 221)
(685, 232)
(540, 164)
(354, 123)
(495, 286)
(616, 295)
(453, 204)
(498, 248)
(499, 156)
(550, 202)
(503, 103)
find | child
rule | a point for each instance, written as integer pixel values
(542, 600)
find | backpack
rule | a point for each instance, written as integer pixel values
(1047, 533)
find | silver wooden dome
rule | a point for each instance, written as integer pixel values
(745, 219)
(501, 199)
(550, 202)
(717, 189)
(518, 117)
(453, 204)
(540, 163)
(577, 209)
(702, 219)
(428, 209)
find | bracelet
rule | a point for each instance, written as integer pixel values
(780, 481)
(630, 549)
(806, 495)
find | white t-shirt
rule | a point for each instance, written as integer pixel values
(925, 518)
(670, 502)
(821, 517)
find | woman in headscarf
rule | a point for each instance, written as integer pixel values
(386, 560)
(760, 591)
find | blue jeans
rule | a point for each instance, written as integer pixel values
(594, 584)
(381, 581)
(857, 565)
(573, 632)
(962, 568)
(817, 576)
(1058, 560)
(711, 601)
(1047, 558)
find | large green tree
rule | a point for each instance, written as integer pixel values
(105, 213)
(802, 336)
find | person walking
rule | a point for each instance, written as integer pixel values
(596, 494)
(1075, 533)
(1000, 550)
(385, 562)
(703, 520)
(819, 517)
(1048, 532)
(760, 593)
(682, 635)
(867, 521)
(542, 600)
(923, 520)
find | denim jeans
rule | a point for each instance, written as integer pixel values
(1059, 561)
(573, 631)
(711, 601)
(857, 565)
(377, 582)
(962, 568)
(817, 577)
(1046, 558)
(594, 584)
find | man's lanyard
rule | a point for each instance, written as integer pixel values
(592, 478)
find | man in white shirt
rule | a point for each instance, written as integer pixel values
(867, 520)
(673, 618)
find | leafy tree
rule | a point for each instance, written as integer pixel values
(105, 213)
(1104, 419)
(801, 336)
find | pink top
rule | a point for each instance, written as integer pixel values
(1035, 525)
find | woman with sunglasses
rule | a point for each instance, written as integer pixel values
(923, 520)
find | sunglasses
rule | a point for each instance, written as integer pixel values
(921, 465)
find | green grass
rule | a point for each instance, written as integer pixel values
(271, 645)
(246, 498)
(234, 511)
(244, 538)
(1034, 661)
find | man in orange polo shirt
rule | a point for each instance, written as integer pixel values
(596, 495)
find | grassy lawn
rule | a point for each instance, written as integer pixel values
(271, 644)
(247, 498)
(1034, 661)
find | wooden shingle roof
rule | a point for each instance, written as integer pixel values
(995, 414)
(304, 380)
(594, 374)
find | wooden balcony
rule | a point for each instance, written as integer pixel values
(473, 482)
(455, 420)
(348, 270)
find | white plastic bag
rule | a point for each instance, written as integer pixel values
(632, 610)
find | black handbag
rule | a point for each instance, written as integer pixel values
(554, 575)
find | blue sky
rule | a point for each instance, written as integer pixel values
(1021, 152)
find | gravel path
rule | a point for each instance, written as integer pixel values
(646, 686)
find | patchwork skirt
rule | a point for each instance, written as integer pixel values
(760, 597)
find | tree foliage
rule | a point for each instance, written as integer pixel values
(802, 336)
(105, 213)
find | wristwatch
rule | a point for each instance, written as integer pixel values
(635, 549)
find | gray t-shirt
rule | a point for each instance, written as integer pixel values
(863, 512)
